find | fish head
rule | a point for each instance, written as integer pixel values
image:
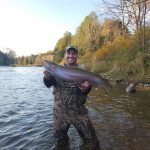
(50, 66)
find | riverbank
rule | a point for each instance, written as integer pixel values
(141, 82)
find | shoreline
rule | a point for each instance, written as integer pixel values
(141, 83)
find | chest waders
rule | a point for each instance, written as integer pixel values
(69, 109)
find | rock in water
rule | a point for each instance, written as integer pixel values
(131, 88)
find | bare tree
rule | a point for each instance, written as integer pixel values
(133, 13)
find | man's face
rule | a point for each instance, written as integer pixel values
(71, 57)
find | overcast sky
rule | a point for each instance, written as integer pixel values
(34, 26)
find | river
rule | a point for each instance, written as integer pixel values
(121, 120)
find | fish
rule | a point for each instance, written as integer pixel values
(76, 75)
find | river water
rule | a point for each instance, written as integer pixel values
(121, 120)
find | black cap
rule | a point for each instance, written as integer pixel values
(71, 47)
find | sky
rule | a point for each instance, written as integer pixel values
(34, 26)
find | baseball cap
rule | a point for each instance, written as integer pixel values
(71, 47)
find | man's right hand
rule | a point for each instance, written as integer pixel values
(47, 75)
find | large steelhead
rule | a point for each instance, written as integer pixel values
(75, 74)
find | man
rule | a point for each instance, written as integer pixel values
(69, 108)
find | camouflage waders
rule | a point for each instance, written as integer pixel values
(69, 109)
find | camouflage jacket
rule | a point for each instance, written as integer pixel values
(68, 97)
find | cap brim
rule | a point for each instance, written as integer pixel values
(71, 49)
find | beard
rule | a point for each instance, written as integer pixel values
(71, 61)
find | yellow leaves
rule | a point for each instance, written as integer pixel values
(101, 53)
(120, 45)
(105, 31)
(62, 62)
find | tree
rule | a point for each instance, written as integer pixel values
(64, 41)
(31, 59)
(88, 37)
(8, 58)
(12, 55)
(112, 29)
(61, 45)
(133, 13)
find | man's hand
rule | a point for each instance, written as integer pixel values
(47, 74)
(85, 86)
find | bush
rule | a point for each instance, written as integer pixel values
(86, 60)
(99, 66)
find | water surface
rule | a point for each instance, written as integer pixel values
(121, 120)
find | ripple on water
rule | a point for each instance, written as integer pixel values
(26, 120)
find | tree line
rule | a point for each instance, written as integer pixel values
(35, 60)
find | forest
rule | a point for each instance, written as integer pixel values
(115, 44)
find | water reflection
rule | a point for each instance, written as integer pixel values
(124, 119)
